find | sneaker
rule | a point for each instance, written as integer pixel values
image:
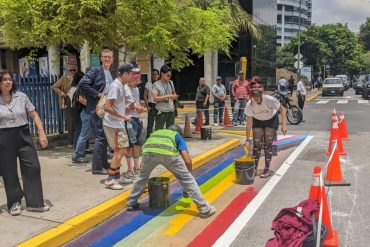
(100, 172)
(115, 185)
(108, 182)
(89, 151)
(15, 209)
(133, 207)
(215, 124)
(210, 212)
(137, 173)
(127, 177)
(40, 209)
(235, 124)
(266, 173)
(79, 160)
(206, 123)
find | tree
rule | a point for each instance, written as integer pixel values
(364, 34)
(285, 59)
(171, 29)
(332, 44)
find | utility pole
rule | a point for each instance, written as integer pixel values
(299, 38)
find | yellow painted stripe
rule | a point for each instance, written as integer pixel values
(311, 98)
(81, 223)
(234, 132)
(180, 221)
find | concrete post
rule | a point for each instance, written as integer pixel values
(54, 59)
(85, 57)
(208, 68)
(214, 66)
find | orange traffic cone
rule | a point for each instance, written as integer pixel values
(343, 127)
(317, 192)
(334, 171)
(199, 123)
(335, 136)
(187, 127)
(334, 118)
(227, 121)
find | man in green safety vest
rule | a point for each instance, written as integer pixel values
(168, 148)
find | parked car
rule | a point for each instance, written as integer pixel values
(358, 85)
(332, 86)
(366, 87)
(344, 80)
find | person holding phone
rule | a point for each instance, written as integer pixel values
(262, 118)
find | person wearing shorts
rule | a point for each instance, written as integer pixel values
(133, 109)
(114, 124)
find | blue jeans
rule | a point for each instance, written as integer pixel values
(218, 111)
(86, 130)
(239, 108)
(137, 125)
(100, 147)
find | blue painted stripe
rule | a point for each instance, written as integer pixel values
(299, 138)
(143, 217)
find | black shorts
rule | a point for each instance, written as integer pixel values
(270, 123)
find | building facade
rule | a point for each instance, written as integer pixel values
(293, 15)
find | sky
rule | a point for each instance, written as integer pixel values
(353, 12)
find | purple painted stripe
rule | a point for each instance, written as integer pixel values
(116, 221)
(285, 139)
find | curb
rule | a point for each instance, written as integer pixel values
(83, 222)
(311, 98)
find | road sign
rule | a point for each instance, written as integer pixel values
(298, 57)
(298, 64)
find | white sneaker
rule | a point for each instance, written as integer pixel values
(15, 209)
(215, 124)
(210, 212)
(40, 209)
(108, 182)
(116, 185)
(127, 178)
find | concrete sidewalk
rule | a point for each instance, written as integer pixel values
(71, 189)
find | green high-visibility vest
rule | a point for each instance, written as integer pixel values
(162, 142)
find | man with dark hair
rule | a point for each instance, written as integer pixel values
(168, 148)
(95, 83)
(164, 95)
(149, 101)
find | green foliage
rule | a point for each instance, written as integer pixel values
(285, 59)
(171, 29)
(367, 63)
(364, 34)
(332, 44)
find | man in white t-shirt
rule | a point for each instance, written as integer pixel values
(133, 109)
(301, 92)
(282, 84)
(114, 124)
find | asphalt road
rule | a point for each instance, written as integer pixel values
(349, 206)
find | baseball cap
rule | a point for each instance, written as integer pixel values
(127, 67)
(218, 78)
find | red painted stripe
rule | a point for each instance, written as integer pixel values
(218, 226)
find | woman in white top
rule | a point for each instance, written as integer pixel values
(262, 117)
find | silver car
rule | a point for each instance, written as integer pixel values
(332, 86)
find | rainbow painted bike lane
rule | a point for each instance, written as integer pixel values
(179, 224)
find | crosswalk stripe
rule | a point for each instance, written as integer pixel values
(342, 101)
(361, 101)
(322, 101)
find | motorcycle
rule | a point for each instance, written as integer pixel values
(293, 113)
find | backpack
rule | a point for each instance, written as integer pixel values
(75, 99)
(100, 111)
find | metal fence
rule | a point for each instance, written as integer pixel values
(46, 101)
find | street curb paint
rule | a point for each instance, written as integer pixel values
(311, 98)
(242, 220)
(83, 222)
(216, 228)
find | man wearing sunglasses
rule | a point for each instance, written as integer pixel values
(61, 87)
(164, 95)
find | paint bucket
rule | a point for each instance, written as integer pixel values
(159, 192)
(206, 133)
(244, 171)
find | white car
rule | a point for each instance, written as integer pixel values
(345, 81)
(332, 86)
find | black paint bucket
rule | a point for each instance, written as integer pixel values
(159, 192)
(244, 171)
(206, 133)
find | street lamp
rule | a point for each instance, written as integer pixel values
(299, 38)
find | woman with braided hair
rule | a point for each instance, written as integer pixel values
(262, 118)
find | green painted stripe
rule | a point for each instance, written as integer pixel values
(155, 224)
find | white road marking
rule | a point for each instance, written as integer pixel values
(342, 101)
(361, 101)
(322, 102)
(237, 226)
